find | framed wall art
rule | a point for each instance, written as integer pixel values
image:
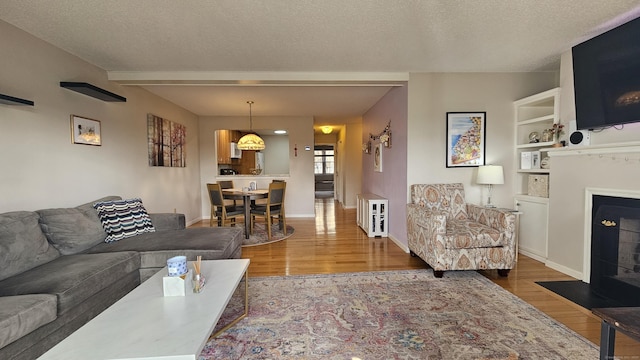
(85, 131)
(465, 138)
(377, 158)
(167, 142)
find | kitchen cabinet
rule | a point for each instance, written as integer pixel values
(224, 138)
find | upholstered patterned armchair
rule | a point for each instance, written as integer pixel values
(449, 234)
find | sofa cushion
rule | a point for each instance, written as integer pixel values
(20, 315)
(22, 244)
(123, 218)
(462, 234)
(73, 230)
(72, 278)
(211, 243)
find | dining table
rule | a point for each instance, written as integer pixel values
(247, 197)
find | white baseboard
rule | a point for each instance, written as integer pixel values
(402, 246)
(532, 255)
(565, 270)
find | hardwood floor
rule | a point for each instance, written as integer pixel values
(333, 243)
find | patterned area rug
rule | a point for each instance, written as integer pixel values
(391, 315)
(260, 237)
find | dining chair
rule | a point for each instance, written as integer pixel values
(224, 213)
(273, 208)
(228, 184)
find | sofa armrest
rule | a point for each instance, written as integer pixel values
(502, 220)
(168, 221)
(435, 222)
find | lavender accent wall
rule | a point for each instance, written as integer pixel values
(392, 181)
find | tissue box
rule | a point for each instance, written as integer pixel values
(177, 286)
(538, 185)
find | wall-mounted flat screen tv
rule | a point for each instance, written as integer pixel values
(606, 78)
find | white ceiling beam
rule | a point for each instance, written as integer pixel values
(254, 78)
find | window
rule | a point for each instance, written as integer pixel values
(323, 160)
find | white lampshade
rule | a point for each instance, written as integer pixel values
(490, 174)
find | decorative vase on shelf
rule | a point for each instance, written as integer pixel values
(547, 135)
(544, 163)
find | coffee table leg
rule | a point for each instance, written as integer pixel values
(246, 308)
(607, 341)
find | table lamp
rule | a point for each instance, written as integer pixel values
(490, 175)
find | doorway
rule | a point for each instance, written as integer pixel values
(324, 171)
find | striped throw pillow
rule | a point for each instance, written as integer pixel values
(123, 218)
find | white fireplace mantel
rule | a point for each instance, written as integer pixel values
(614, 148)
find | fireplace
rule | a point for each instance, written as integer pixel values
(615, 248)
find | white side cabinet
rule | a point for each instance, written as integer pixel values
(534, 116)
(372, 214)
(532, 229)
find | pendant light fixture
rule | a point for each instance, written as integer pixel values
(251, 141)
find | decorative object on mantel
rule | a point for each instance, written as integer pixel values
(466, 138)
(490, 175)
(251, 141)
(85, 131)
(167, 142)
(10, 100)
(93, 91)
(384, 136)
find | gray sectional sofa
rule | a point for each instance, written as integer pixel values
(57, 273)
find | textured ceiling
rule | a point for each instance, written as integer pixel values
(348, 36)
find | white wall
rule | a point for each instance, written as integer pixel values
(390, 109)
(41, 168)
(432, 95)
(299, 200)
(275, 147)
(352, 159)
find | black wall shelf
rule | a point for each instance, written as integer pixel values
(10, 100)
(93, 91)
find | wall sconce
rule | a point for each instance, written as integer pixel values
(386, 139)
(366, 147)
(326, 130)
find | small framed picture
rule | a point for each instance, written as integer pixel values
(377, 158)
(535, 159)
(465, 138)
(85, 131)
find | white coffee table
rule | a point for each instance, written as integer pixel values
(147, 325)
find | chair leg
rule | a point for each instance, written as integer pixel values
(252, 218)
(504, 272)
(283, 223)
(268, 220)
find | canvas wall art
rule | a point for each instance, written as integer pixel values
(167, 142)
